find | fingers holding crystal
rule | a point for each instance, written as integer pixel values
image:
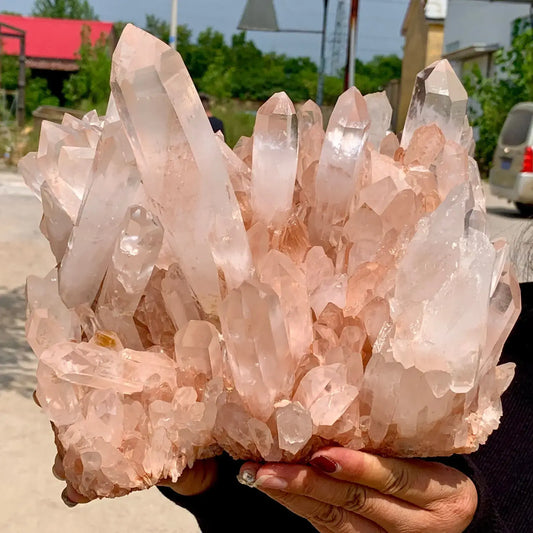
(331, 502)
(412, 480)
(365, 494)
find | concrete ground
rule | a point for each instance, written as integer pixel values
(30, 499)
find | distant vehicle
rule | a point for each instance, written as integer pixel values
(511, 175)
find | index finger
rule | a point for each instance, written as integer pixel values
(413, 480)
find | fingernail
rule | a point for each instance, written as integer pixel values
(247, 476)
(35, 399)
(325, 464)
(271, 482)
(66, 500)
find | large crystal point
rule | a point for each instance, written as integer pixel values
(114, 181)
(339, 163)
(438, 97)
(258, 349)
(183, 171)
(273, 177)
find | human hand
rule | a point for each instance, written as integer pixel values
(192, 481)
(347, 491)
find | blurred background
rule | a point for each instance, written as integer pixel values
(55, 56)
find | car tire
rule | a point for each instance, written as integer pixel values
(526, 210)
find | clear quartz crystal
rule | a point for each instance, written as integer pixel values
(439, 98)
(306, 288)
(275, 158)
(339, 162)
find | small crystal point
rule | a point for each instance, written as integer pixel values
(380, 112)
(438, 97)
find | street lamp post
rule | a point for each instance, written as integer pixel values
(260, 15)
(349, 73)
(173, 39)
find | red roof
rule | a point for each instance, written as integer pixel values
(48, 38)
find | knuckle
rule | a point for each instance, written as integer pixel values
(356, 498)
(455, 514)
(307, 485)
(329, 516)
(397, 481)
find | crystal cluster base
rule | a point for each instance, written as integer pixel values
(309, 287)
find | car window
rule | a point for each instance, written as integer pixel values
(516, 127)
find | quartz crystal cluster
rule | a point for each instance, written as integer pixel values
(307, 288)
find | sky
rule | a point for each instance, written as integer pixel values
(378, 28)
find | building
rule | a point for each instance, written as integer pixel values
(423, 30)
(477, 29)
(52, 45)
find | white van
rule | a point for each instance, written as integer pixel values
(511, 175)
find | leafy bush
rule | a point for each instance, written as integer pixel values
(88, 88)
(37, 90)
(494, 96)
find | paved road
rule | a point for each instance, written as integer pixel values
(29, 501)
(30, 496)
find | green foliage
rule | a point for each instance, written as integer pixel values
(240, 70)
(89, 87)
(37, 94)
(157, 27)
(237, 120)
(37, 91)
(64, 9)
(119, 26)
(9, 70)
(494, 96)
(375, 75)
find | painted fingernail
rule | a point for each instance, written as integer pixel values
(271, 482)
(325, 464)
(247, 476)
(66, 500)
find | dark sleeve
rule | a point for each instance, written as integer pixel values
(487, 518)
(230, 506)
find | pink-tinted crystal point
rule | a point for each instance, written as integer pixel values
(273, 176)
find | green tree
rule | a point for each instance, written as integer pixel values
(494, 96)
(37, 90)
(89, 87)
(157, 27)
(374, 75)
(64, 9)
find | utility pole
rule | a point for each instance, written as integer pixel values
(173, 40)
(339, 37)
(349, 75)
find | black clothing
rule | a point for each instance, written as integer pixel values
(216, 124)
(506, 461)
(502, 469)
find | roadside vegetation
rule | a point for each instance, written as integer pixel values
(493, 97)
(236, 74)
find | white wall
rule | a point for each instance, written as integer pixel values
(480, 22)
